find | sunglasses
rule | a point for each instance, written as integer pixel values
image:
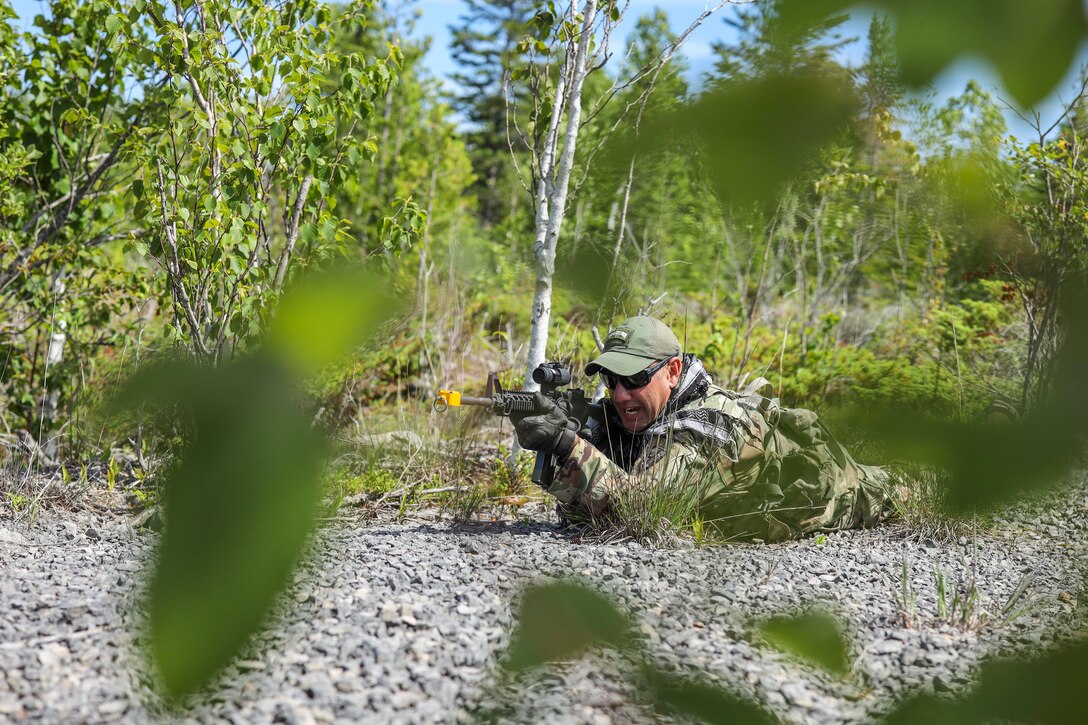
(632, 382)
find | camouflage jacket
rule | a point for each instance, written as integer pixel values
(757, 471)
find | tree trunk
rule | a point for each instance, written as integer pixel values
(552, 188)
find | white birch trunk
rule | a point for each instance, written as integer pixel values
(552, 186)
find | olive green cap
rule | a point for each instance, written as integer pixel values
(635, 344)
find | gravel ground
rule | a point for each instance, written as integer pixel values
(402, 623)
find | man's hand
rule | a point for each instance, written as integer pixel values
(548, 429)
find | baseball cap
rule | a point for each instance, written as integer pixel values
(634, 344)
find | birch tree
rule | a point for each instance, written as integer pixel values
(577, 40)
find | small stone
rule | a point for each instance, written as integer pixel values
(390, 612)
(940, 642)
(887, 647)
(347, 686)
(7, 536)
(112, 709)
(942, 684)
(797, 695)
(9, 704)
(402, 700)
(91, 533)
(53, 654)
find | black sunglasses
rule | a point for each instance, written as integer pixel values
(632, 382)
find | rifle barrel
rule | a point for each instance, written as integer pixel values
(485, 402)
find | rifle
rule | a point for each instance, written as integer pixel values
(550, 377)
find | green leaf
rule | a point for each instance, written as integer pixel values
(703, 702)
(1032, 45)
(754, 135)
(240, 504)
(324, 317)
(586, 273)
(813, 636)
(561, 621)
(1047, 689)
(989, 464)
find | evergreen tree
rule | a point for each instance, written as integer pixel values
(880, 86)
(485, 48)
(768, 46)
(650, 35)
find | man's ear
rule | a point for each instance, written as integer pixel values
(674, 366)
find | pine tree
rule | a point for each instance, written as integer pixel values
(768, 46)
(485, 48)
(880, 86)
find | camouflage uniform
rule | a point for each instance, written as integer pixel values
(765, 472)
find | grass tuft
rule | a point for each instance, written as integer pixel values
(655, 510)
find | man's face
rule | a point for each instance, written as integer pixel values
(638, 408)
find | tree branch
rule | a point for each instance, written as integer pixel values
(173, 267)
(292, 233)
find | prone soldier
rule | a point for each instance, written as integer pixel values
(764, 472)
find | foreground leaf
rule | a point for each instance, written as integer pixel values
(815, 637)
(239, 506)
(991, 464)
(561, 621)
(1032, 45)
(1049, 689)
(703, 702)
(585, 273)
(324, 317)
(753, 136)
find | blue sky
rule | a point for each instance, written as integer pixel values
(437, 15)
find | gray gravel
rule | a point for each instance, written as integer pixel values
(402, 623)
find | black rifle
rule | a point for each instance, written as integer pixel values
(550, 376)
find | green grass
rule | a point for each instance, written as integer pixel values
(455, 463)
(656, 510)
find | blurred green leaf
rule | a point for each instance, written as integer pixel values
(1031, 44)
(971, 190)
(325, 316)
(1049, 689)
(753, 136)
(813, 636)
(927, 709)
(990, 464)
(586, 273)
(704, 702)
(239, 505)
(561, 621)
(1069, 400)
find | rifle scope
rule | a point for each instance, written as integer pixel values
(551, 374)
